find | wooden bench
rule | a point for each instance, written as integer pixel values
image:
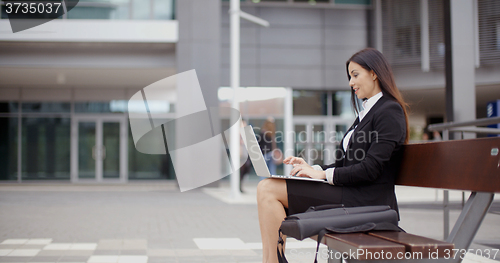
(470, 165)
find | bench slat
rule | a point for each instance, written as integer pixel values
(417, 244)
(461, 165)
(350, 243)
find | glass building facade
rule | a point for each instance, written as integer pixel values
(80, 137)
(44, 140)
(115, 9)
(39, 139)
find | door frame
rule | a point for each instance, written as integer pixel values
(123, 141)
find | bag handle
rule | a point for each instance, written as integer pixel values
(324, 207)
(281, 254)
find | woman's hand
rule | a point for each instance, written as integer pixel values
(294, 160)
(307, 171)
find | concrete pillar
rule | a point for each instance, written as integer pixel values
(460, 72)
(463, 61)
(377, 8)
(199, 44)
(199, 48)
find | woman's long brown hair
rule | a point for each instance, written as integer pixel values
(372, 59)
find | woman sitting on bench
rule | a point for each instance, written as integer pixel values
(365, 167)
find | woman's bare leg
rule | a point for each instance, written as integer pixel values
(271, 198)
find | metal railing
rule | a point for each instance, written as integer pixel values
(468, 126)
(461, 127)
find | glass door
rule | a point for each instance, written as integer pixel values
(87, 149)
(110, 150)
(310, 141)
(99, 148)
(317, 139)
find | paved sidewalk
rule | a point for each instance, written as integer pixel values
(153, 222)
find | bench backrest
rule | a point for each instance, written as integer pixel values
(472, 165)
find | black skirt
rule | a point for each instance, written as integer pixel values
(303, 194)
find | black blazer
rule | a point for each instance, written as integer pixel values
(367, 171)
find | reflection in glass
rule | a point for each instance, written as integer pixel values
(148, 166)
(92, 12)
(9, 107)
(316, 147)
(312, 2)
(341, 104)
(300, 134)
(340, 132)
(301, 141)
(318, 144)
(117, 106)
(316, 154)
(121, 106)
(354, 2)
(45, 148)
(100, 9)
(8, 148)
(111, 149)
(87, 150)
(46, 107)
(141, 9)
(319, 133)
(309, 102)
(164, 9)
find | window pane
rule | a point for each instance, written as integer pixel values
(86, 150)
(46, 107)
(258, 1)
(9, 107)
(90, 12)
(309, 102)
(148, 166)
(401, 35)
(164, 9)
(489, 31)
(45, 148)
(340, 132)
(279, 123)
(8, 148)
(498, 35)
(103, 9)
(117, 106)
(111, 142)
(312, 2)
(318, 144)
(341, 104)
(141, 9)
(354, 2)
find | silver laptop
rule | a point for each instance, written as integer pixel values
(258, 161)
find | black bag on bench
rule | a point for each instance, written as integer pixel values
(336, 219)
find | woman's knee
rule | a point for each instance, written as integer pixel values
(270, 188)
(263, 188)
(266, 188)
